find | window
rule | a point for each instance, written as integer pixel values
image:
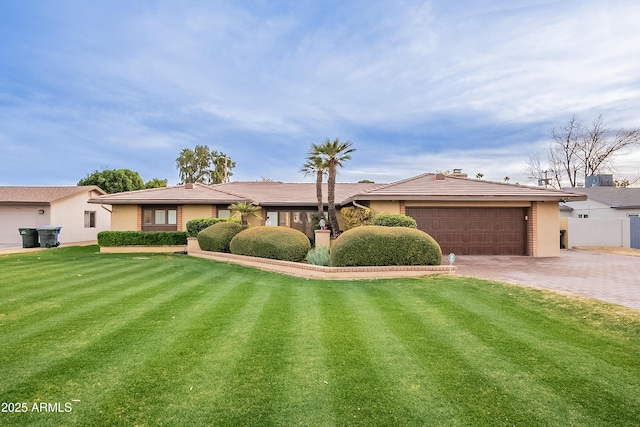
(583, 216)
(224, 213)
(159, 218)
(89, 219)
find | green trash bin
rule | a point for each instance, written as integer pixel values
(29, 237)
(49, 236)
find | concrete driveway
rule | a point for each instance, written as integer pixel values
(607, 277)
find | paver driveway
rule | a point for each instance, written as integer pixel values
(607, 277)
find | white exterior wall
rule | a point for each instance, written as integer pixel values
(68, 213)
(598, 210)
(599, 232)
(22, 216)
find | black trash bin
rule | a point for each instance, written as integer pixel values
(29, 237)
(562, 232)
(49, 236)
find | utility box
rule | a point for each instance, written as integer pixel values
(29, 237)
(49, 236)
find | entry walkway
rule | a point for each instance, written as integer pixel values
(607, 277)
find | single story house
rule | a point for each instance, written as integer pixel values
(466, 216)
(603, 203)
(609, 216)
(66, 207)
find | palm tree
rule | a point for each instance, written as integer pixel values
(244, 209)
(315, 166)
(333, 153)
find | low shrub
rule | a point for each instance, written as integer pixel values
(271, 242)
(353, 216)
(142, 238)
(319, 256)
(395, 220)
(377, 245)
(216, 237)
(197, 225)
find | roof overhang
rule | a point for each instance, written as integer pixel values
(167, 202)
(469, 198)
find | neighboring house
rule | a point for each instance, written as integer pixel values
(608, 217)
(67, 207)
(466, 216)
(603, 203)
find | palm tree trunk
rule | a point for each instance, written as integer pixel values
(331, 196)
(319, 195)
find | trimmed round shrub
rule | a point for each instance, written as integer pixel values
(395, 220)
(282, 243)
(216, 238)
(372, 245)
(197, 225)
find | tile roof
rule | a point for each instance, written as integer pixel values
(178, 194)
(617, 198)
(422, 187)
(430, 186)
(41, 195)
(290, 194)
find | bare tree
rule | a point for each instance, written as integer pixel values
(578, 151)
(600, 144)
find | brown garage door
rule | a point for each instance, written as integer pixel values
(475, 231)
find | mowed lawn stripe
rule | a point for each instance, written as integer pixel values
(305, 377)
(190, 365)
(517, 371)
(92, 333)
(253, 390)
(53, 292)
(394, 358)
(358, 392)
(440, 350)
(91, 303)
(570, 371)
(97, 368)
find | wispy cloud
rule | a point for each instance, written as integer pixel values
(415, 85)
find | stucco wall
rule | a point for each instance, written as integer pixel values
(548, 229)
(599, 232)
(190, 212)
(598, 210)
(124, 218)
(385, 206)
(68, 213)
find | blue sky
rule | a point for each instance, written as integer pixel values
(416, 86)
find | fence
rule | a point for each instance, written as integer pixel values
(602, 232)
(635, 232)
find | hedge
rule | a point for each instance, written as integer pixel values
(142, 238)
(373, 245)
(353, 216)
(281, 243)
(197, 225)
(216, 238)
(395, 220)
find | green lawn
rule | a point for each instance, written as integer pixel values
(172, 340)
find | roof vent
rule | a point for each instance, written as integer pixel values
(189, 186)
(458, 173)
(599, 181)
(439, 177)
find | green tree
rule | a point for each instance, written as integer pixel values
(203, 165)
(315, 166)
(244, 210)
(334, 154)
(156, 183)
(114, 180)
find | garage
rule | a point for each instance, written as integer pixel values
(475, 230)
